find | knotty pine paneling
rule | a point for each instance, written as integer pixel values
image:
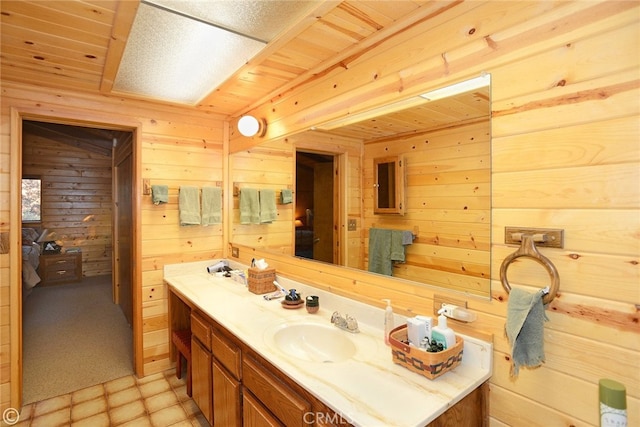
(76, 198)
(564, 89)
(447, 205)
(178, 147)
(565, 155)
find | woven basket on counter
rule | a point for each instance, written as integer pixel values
(261, 281)
(430, 365)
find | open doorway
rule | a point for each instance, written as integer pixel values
(316, 220)
(77, 166)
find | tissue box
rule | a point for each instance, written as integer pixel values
(261, 281)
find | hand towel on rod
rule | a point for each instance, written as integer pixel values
(380, 251)
(286, 196)
(249, 206)
(211, 205)
(268, 210)
(159, 194)
(189, 205)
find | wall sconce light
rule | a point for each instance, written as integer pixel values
(250, 126)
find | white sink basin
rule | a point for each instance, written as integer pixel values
(312, 342)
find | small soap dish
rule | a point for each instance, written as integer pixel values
(292, 304)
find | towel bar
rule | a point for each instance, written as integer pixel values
(528, 249)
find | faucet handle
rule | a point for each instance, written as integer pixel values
(335, 316)
(352, 324)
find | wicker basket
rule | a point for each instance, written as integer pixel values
(430, 365)
(261, 281)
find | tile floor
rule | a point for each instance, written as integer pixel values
(158, 400)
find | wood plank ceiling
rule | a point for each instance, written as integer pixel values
(77, 45)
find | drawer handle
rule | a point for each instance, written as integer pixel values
(62, 261)
(61, 272)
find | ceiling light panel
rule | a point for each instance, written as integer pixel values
(180, 51)
(259, 19)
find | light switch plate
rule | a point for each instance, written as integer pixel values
(352, 225)
(235, 251)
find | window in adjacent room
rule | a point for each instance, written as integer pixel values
(31, 199)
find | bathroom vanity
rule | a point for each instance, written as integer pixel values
(255, 363)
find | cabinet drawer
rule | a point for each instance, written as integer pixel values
(227, 353)
(287, 405)
(60, 264)
(57, 274)
(201, 330)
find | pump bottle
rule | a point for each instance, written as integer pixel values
(443, 334)
(388, 321)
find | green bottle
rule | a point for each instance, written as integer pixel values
(613, 404)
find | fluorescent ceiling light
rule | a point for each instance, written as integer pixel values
(458, 88)
(180, 51)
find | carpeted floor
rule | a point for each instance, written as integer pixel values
(73, 337)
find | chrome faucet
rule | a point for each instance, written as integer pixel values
(347, 323)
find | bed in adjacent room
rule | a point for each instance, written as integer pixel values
(30, 260)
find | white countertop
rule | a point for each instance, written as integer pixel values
(367, 390)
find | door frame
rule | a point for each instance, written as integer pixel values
(339, 202)
(80, 118)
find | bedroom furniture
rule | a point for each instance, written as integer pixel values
(60, 268)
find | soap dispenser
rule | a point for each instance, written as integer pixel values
(442, 334)
(388, 321)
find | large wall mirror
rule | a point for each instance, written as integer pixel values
(444, 140)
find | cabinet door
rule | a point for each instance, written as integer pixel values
(201, 378)
(256, 415)
(227, 405)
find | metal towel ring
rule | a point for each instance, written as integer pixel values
(528, 249)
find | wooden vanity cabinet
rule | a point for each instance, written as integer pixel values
(227, 392)
(234, 386)
(274, 393)
(201, 365)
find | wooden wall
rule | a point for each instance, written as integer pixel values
(76, 198)
(448, 205)
(272, 165)
(177, 147)
(565, 154)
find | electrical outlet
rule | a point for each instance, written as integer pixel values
(438, 300)
(235, 252)
(352, 225)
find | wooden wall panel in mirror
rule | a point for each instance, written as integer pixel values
(445, 145)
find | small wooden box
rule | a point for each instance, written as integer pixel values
(261, 281)
(430, 365)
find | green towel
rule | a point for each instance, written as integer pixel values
(397, 246)
(189, 204)
(211, 205)
(380, 251)
(286, 196)
(268, 211)
(159, 194)
(249, 206)
(525, 329)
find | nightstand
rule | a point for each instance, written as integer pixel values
(60, 268)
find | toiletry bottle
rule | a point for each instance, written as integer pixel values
(443, 334)
(388, 321)
(613, 403)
